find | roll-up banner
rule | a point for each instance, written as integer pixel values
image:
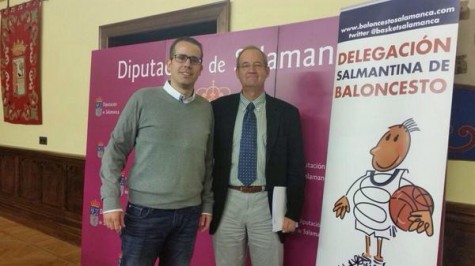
(387, 152)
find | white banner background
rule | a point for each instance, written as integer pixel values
(361, 116)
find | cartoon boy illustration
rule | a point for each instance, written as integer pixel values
(369, 195)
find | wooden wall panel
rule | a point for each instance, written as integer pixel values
(8, 174)
(29, 181)
(43, 190)
(74, 180)
(53, 179)
(459, 235)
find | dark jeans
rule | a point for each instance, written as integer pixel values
(151, 233)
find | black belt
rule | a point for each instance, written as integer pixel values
(249, 189)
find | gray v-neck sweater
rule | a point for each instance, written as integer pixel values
(172, 157)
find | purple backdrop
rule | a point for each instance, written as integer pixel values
(301, 58)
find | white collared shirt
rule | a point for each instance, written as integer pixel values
(175, 94)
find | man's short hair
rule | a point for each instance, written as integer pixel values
(184, 39)
(251, 47)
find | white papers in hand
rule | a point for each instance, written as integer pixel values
(279, 207)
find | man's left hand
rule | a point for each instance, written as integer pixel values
(205, 221)
(289, 225)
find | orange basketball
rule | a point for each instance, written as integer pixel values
(406, 200)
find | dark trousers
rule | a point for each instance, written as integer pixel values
(157, 233)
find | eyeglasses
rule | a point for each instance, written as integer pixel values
(257, 65)
(182, 58)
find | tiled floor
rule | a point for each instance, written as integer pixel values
(23, 246)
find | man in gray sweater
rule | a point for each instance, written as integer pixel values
(170, 128)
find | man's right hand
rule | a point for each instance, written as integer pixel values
(114, 220)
